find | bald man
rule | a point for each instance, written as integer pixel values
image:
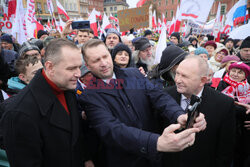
(214, 146)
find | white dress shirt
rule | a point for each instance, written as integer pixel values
(184, 103)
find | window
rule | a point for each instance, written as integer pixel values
(39, 7)
(159, 2)
(166, 2)
(172, 13)
(166, 13)
(46, 8)
(223, 8)
(75, 7)
(70, 6)
(111, 8)
(66, 6)
(179, 1)
(115, 8)
(172, 1)
(104, 9)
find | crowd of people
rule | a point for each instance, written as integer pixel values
(72, 99)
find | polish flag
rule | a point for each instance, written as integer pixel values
(217, 24)
(11, 7)
(61, 10)
(227, 29)
(39, 26)
(61, 24)
(154, 20)
(48, 24)
(105, 23)
(164, 19)
(172, 26)
(178, 20)
(93, 24)
(113, 18)
(159, 25)
(140, 3)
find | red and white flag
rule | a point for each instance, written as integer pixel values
(48, 25)
(30, 19)
(61, 10)
(172, 26)
(154, 20)
(113, 18)
(178, 20)
(19, 28)
(93, 24)
(11, 7)
(105, 23)
(164, 19)
(196, 10)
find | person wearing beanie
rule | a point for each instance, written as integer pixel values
(30, 50)
(148, 34)
(215, 61)
(41, 34)
(112, 39)
(175, 38)
(194, 42)
(202, 52)
(163, 74)
(122, 56)
(210, 46)
(229, 44)
(244, 53)
(6, 42)
(225, 63)
(142, 55)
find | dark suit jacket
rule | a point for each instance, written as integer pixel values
(38, 132)
(127, 128)
(214, 146)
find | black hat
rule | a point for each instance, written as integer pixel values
(41, 33)
(171, 56)
(147, 32)
(177, 35)
(245, 43)
(141, 43)
(210, 37)
(229, 39)
(37, 42)
(7, 38)
(122, 47)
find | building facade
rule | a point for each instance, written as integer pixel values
(97, 4)
(83, 8)
(113, 6)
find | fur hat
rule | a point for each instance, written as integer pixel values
(41, 33)
(241, 66)
(245, 43)
(7, 38)
(26, 46)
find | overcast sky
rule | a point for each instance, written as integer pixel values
(132, 3)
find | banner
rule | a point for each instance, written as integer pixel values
(5, 21)
(133, 18)
(198, 28)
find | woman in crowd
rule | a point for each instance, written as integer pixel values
(210, 46)
(215, 61)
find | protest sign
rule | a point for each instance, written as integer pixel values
(133, 18)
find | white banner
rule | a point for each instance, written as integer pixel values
(198, 28)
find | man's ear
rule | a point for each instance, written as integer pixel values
(22, 77)
(49, 67)
(204, 80)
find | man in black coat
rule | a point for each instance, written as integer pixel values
(41, 124)
(122, 115)
(214, 146)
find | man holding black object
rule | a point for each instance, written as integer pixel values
(214, 146)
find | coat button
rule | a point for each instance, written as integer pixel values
(143, 150)
(128, 106)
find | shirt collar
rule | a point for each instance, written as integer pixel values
(199, 95)
(108, 80)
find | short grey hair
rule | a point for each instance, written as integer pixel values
(203, 65)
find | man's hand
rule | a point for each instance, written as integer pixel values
(247, 106)
(200, 121)
(67, 30)
(174, 142)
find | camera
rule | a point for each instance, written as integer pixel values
(80, 25)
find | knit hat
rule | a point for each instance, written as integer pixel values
(210, 37)
(26, 46)
(112, 31)
(37, 42)
(245, 43)
(241, 66)
(177, 35)
(171, 56)
(84, 69)
(7, 38)
(121, 47)
(200, 50)
(141, 43)
(222, 49)
(193, 39)
(41, 33)
(210, 43)
(230, 58)
(47, 40)
(228, 39)
(147, 32)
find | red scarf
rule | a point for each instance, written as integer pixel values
(237, 90)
